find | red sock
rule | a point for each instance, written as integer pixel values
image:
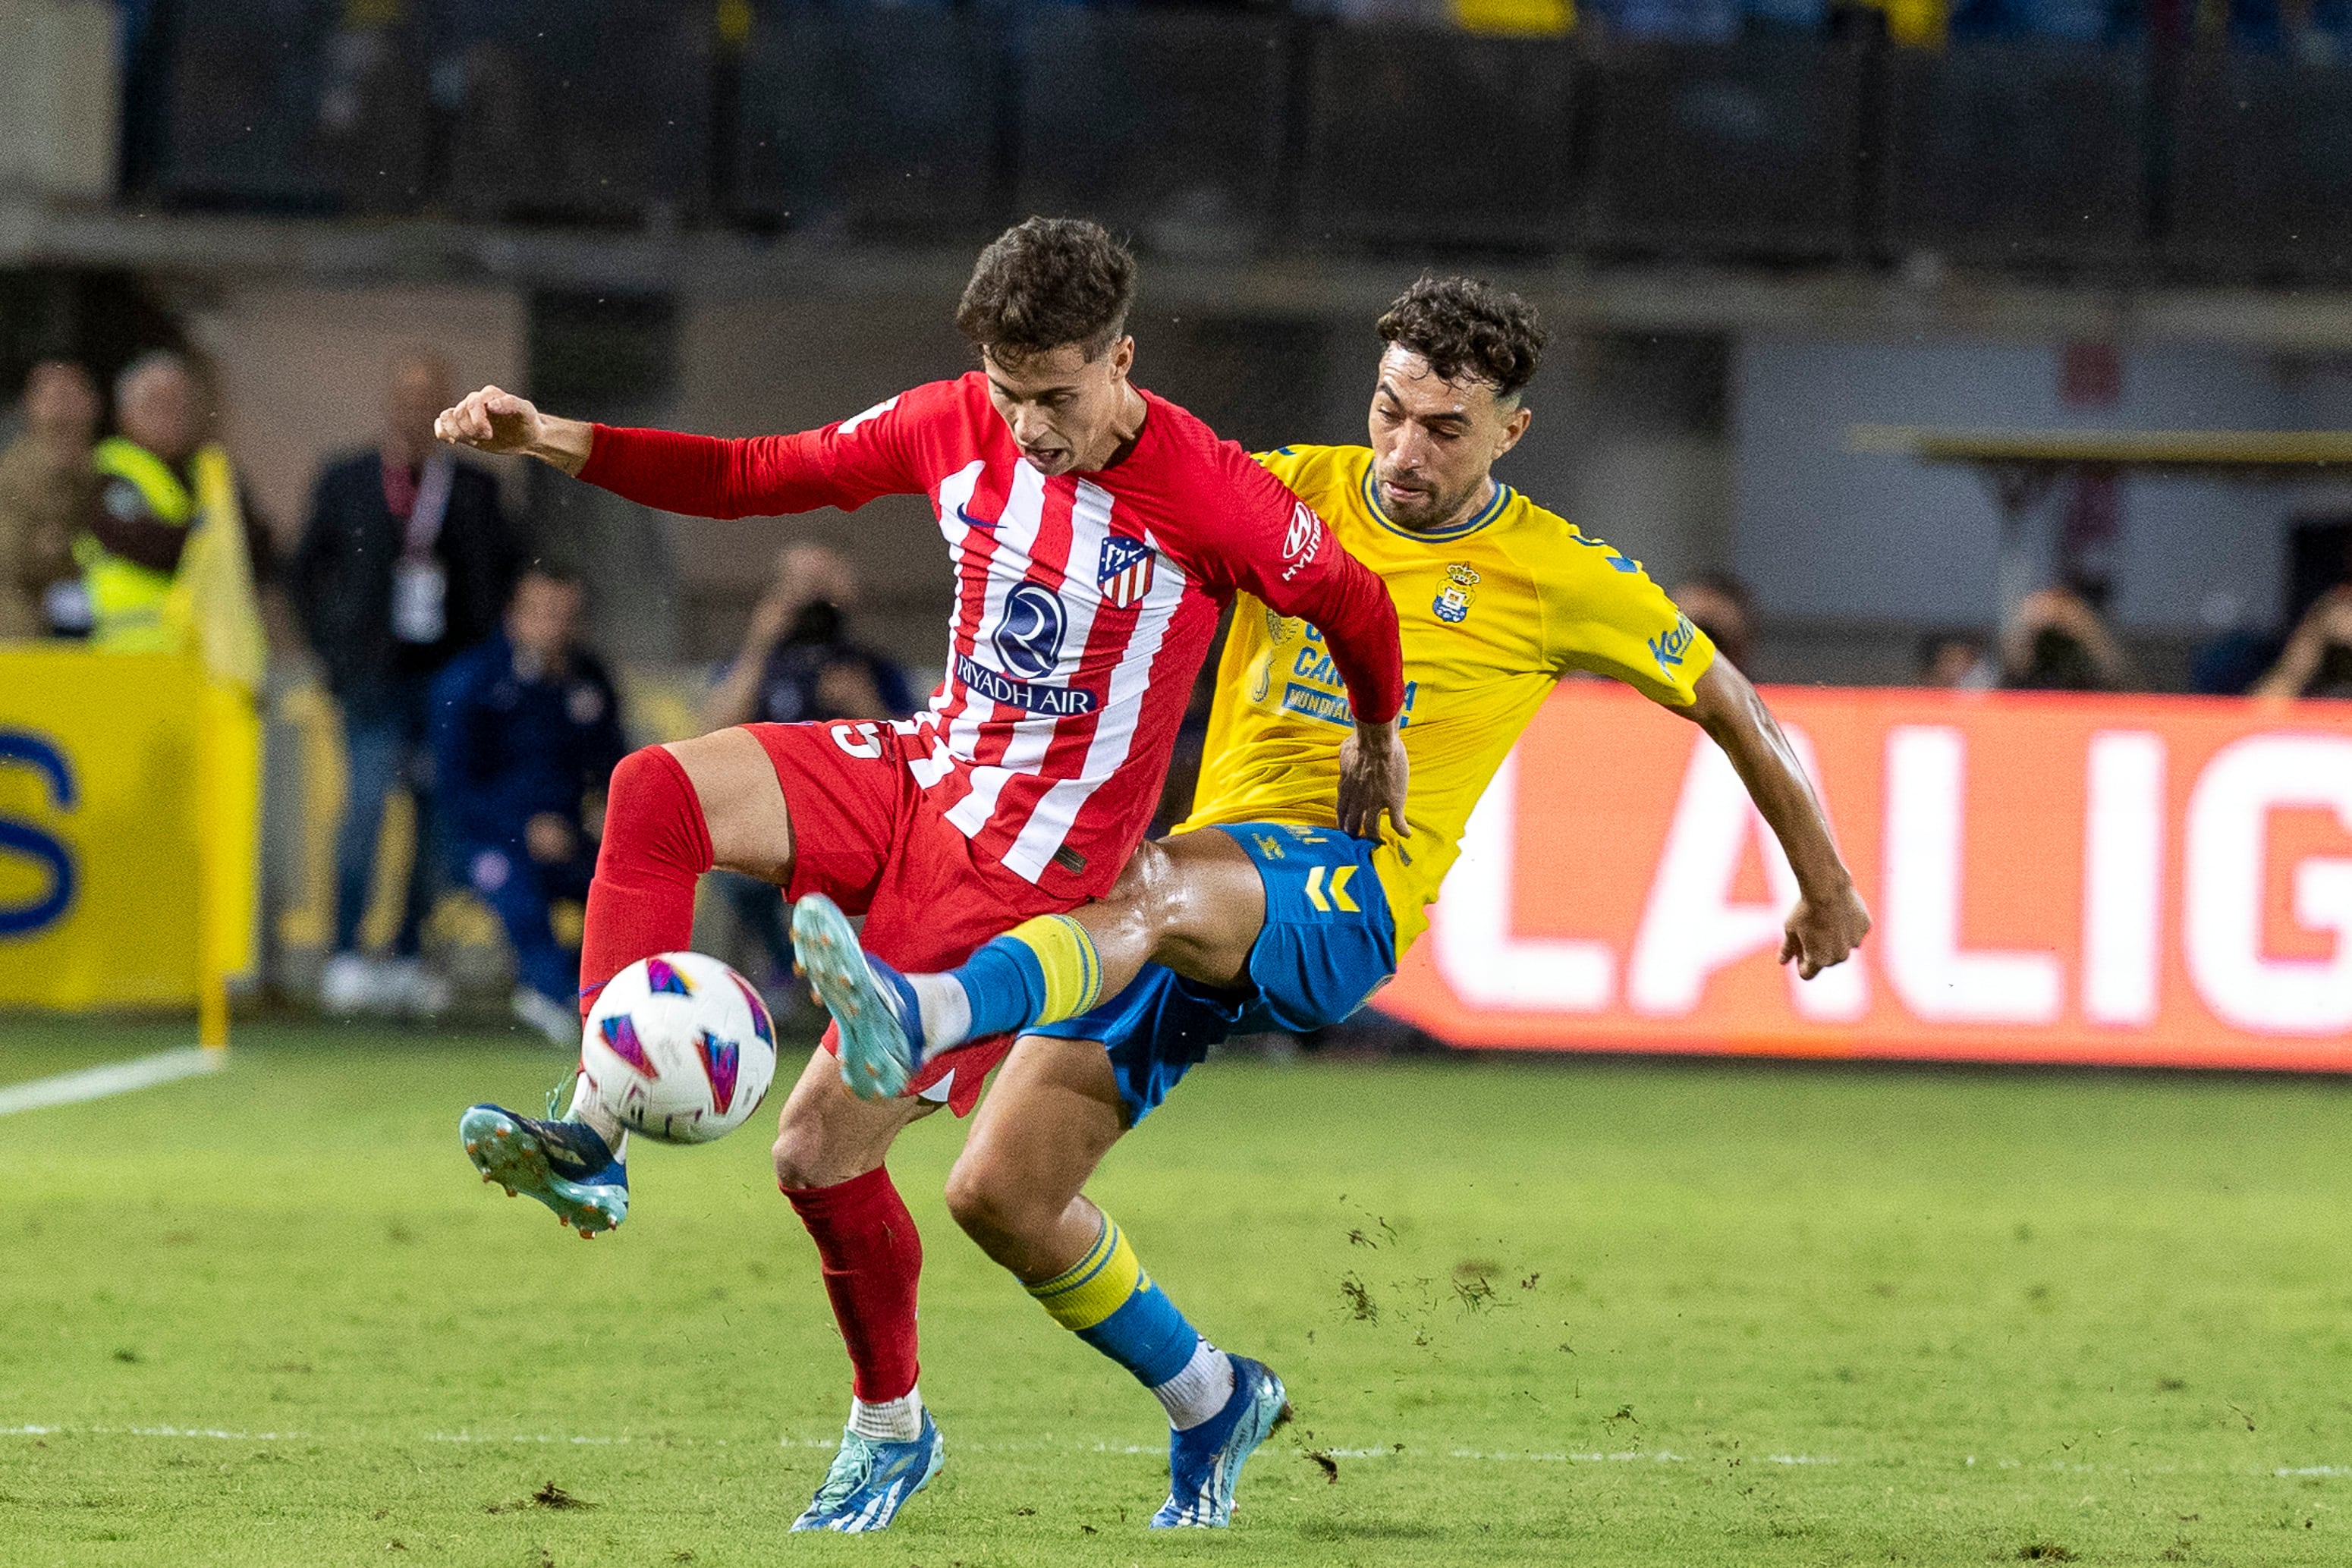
(655, 843)
(872, 1258)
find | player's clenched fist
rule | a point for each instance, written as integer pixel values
(1824, 930)
(496, 420)
(491, 419)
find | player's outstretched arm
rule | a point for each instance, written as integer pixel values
(1830, 920)
(496, 421)
(845, 464)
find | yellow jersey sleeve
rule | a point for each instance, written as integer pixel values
(1603, 614)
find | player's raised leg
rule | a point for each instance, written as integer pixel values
(671, 812)
(830, 1148)
(1057, 1109)
(1195, 902)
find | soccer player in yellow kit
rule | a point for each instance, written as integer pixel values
(1259, 913)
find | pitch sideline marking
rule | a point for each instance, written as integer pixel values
(1663, 1456)
(111, 1078)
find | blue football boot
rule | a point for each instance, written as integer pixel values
(565, 1164)
(1205, 1461)
(881, 1022)
(870, 1482)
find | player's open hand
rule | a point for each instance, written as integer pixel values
(1372, 771)
(491, 419)
(1824, 930)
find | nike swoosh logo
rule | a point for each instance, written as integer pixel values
(968, 520)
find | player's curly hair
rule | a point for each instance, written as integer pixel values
(1466, 325)
(1045, 283)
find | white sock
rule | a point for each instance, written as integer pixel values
(1201, 1390)
(896, 1420)
(945, 1009)
(591, 1112)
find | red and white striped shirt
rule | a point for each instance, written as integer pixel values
(1085, 602)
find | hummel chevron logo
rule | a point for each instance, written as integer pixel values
(1340, 877)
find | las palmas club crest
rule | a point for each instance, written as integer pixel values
(1125, 573)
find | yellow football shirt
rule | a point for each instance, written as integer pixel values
(1492, 613)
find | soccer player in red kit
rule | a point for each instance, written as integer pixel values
(1095, 531)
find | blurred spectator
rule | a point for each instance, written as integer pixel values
(1684, 21)
(525, 728)
(798, 663)
(2058, 644)
(153, 492)
(1720, 605)
(2082, 21)
(1957, 660)
(2319, 658)
(47, 492)
(406, 560)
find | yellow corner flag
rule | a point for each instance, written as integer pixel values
(213, 614)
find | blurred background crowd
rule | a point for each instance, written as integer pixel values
(276, 235)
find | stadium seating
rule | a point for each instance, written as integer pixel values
(2263, 174)
(554, 124)
(272, 104)
(1109, 120)
(1215, 133)
(1747, 148)
(2002, 154)
(884, 123)
(1495, 176)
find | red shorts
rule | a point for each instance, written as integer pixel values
(866, 837)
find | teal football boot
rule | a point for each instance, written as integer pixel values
(566, 1165)
(1205, 1461)
(871, 1481)
(881, 1022)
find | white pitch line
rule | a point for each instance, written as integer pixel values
(113, 1078)
(1660, 1455)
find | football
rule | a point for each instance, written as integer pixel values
(679, 1048)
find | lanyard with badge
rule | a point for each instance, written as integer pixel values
(420, 583)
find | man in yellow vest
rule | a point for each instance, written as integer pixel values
(160, 483)
(169, 563)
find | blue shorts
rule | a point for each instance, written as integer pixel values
(1328, 945)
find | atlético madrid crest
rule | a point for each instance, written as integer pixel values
(1125, 573)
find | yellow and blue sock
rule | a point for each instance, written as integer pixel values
(1041, 971)
(1108, 1300)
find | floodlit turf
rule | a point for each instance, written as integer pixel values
(1531, 1311)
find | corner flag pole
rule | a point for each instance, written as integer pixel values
(211, 979)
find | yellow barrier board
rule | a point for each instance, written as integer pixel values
(130, 794)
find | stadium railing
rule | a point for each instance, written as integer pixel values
(1436, 138)
(2261, 161)
(1111, 121)
(887, 122)
(1999, 153)
(1223, 133)
(1749, 148)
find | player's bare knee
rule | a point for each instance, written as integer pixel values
(807, 1155)
(1139, 902)
(988, 1203)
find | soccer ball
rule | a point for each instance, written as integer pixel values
(679, 1048)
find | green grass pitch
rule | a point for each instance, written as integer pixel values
(1531, 1311)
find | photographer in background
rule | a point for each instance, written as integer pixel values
(2057, 642)
(797, 663)
(2319, 658)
